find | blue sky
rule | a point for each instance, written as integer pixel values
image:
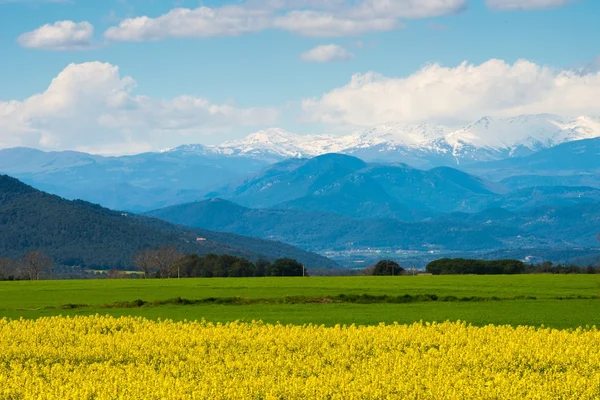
(218, 70)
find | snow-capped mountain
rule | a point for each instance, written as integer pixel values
(489, 138)
(278, 143)
(420, 145)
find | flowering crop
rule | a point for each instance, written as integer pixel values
(133, 358)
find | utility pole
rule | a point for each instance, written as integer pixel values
(302, 270)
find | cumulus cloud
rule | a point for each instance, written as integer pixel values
(62, 35)
(323, 18)
(327, 53)
(91, 106)
(527, 4)
(438, 94)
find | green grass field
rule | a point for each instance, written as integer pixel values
(43, 298)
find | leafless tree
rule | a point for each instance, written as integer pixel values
(8, 269)
(167, 262)
(144, 261)
(115, 274)
(163, 260)
(35, 263)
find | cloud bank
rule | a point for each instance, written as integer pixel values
(331, 18)
(90, 106)
(438, 94)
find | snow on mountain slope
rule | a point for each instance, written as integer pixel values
(485, 139)
(498, 138)
(281, 143)
(506, 133)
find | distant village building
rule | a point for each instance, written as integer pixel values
(200, 239)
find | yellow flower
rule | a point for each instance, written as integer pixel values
(134, 358)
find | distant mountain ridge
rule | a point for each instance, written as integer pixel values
(520, 152)
(560, 229)
(419, 145)
(567, 159)
(133, 183)
(349, 186)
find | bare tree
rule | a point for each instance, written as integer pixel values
(8, 269)
(164, 260)
(35, 263)
(145, 261)
(167, 258)
(115, 274)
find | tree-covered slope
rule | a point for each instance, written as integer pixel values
(81, 233)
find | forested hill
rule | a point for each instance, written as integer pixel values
(82, 233)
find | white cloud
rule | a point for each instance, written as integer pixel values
(184, 22)
(456, 95)
(91, 106)
(315, 18)
(327, 53)
(527, 4)
(407, 8)
(62, 35)
(322, 24)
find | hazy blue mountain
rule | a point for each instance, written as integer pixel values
(545, 226)
(320, 231)
(557, 196)
(526, 181)
(581, 157)
(560, 228)
(140, 182)
(86, 234)
(349, 186)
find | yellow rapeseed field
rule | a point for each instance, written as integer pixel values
(133, 358)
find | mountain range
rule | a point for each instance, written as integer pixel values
(537, 231)
(349, 186)
(497, 149)
(79, 233)
(133, 183)
(419, 145)
(524, 186)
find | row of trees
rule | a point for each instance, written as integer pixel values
(457, 266)
(461, 266)
(167, 262)
(33, 266)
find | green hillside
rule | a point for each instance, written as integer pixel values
(85, 234)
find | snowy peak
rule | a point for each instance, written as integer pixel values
(189, 149)
(269, 142)
(277, 142)
(499, 134)
(269, 137)
(402, 135)
(580, 128)
(486, 139)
